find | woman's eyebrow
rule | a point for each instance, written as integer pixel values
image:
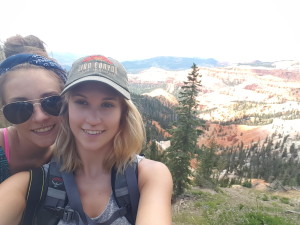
(110, 98)
(48, 94)
(17, 99)
(78, 95)
(23, 99)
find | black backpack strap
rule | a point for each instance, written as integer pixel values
(72, 190)
(55, 199)
(34, 195)
(56, 193)
(125, 190)
(134, 194)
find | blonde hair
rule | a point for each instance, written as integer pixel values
(126, 144)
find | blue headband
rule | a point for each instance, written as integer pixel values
(37, 60)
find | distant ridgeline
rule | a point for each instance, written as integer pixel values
(135, 66)
(169, 63)
(162, 62)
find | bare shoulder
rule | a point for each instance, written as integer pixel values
(155, 186)
(13, 193)
(153, 171)
(17, 182)
(150, 165)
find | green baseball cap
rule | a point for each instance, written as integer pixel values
(98, 68)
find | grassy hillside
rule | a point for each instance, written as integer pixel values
(237, 206)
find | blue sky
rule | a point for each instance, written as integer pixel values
(231, 30)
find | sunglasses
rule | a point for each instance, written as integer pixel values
(20, 112)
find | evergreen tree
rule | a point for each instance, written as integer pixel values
(185, 135)
(208, 161)
(154, 153)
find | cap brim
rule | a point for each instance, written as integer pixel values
(118, 88)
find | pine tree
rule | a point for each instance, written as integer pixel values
(154, 153)
(185, 135)
(208, 160)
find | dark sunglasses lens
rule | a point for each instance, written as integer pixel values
(18, 112)
(52, 105)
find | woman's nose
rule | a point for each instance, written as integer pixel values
(38, 113)
(94, 117)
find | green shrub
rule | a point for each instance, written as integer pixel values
(247, 184)
(265, 198)
(200, 194)
(241, 206)
(285, 200)
(189, 219)
(256, 218)
(224, 182)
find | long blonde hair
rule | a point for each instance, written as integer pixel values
(126, 144)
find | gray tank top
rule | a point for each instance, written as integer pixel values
(111, 207)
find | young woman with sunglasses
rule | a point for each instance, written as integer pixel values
(101, 129)
(30, 84)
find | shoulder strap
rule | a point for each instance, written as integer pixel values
(134, 194)
(54, 198)
(72, 190)
(125, 190)
(34, 195)
(56, 193)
